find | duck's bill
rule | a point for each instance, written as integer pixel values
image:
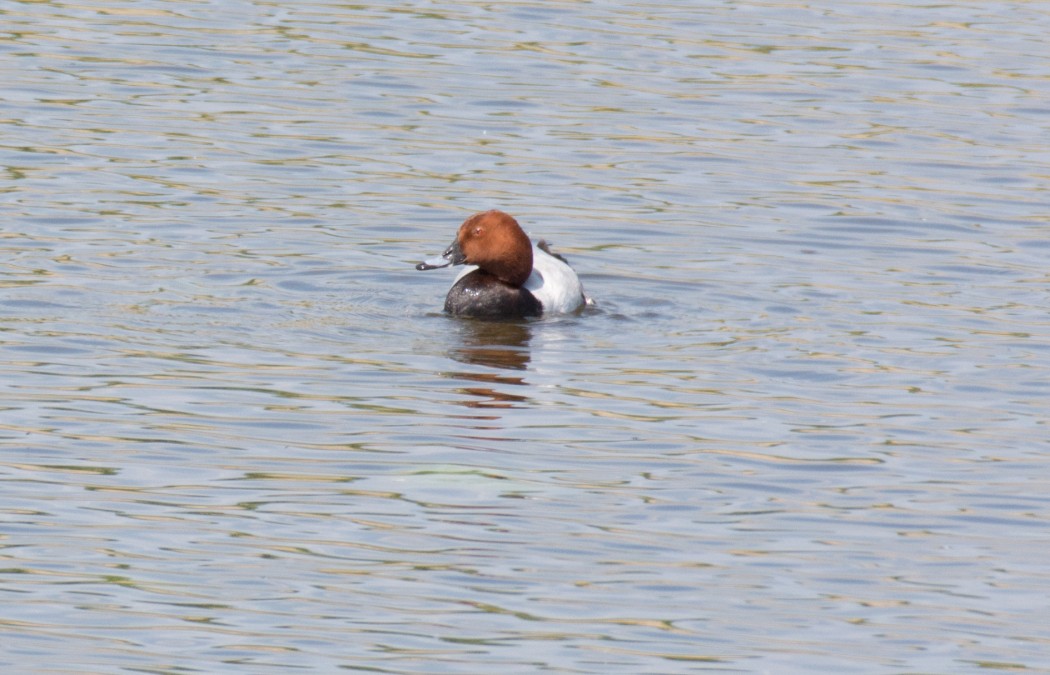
(453, 255)
(434, 263)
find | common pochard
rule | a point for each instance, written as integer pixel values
(508, 276)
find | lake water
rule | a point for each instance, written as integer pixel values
(803, 429)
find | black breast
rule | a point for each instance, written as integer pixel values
(479, 294)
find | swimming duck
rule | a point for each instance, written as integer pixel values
(507, 275)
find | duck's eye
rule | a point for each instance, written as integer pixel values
(478, 231)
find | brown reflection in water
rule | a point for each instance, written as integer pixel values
(503, 345)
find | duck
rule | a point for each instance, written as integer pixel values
(507, 275)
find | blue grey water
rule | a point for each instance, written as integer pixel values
(804, 428)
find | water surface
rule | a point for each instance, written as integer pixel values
(803, 429)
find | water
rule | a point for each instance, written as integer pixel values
(804, 429)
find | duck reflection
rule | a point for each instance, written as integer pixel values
(495, 344)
